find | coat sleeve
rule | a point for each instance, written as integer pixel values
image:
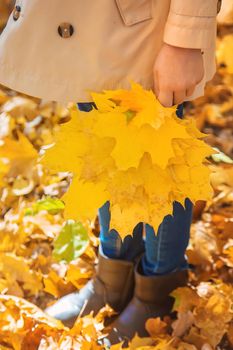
(192, 23)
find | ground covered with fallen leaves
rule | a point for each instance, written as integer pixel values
(42, 257)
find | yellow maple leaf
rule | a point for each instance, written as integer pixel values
(19, 155)
(89, 197)
(54, 284)
(156, 327)
(69, 139)
(17, 272)
(4, 168)
(158, 143)
(225, 52)
(132, 152)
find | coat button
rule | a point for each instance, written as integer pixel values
(65, 30)
(219, 5)
(16, 12)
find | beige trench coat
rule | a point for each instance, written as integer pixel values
(62, 49)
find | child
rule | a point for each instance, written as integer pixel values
(60, 52)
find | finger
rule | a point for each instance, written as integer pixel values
(166, 98)
(190, 90)
(156, 84)
(179, 97)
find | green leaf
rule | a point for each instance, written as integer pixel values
(71, 242)
(52, 205)
(221, 157)
(176, 302)
(130, 115)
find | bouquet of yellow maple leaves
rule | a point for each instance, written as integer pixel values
(133, 152)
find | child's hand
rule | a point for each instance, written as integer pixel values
(176, 73)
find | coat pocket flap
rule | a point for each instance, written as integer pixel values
(134, 11)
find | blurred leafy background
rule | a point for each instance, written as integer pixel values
(36, 268)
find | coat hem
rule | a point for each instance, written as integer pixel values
(31, 85)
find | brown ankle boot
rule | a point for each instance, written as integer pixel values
(151, 299)
(113, 284)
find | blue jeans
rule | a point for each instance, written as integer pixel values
(161, 253)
